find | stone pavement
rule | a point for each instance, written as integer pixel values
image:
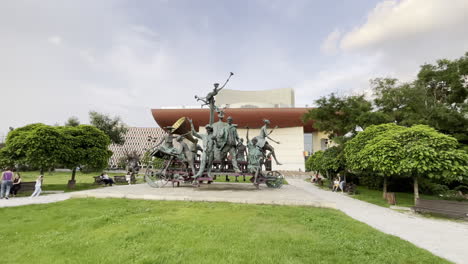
(43, 199)
(216, 192)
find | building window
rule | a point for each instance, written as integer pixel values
(307, 144)
(323, 143)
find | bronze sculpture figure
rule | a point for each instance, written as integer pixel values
(241, 150)
(208, 149)
(228, 144)
(262, 140)
(167, 163)
(209, 99)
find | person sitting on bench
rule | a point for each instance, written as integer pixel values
(106, 179)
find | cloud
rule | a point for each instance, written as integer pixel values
(345, 77)
(330, 44)
(399, 36)
(393, 20)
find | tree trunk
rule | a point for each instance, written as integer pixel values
(416, 189)
(41, 172)
(72, 182)
(384, 191)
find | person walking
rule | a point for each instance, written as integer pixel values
(38, 186)
(7, 182)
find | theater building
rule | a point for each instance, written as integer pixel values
(249, 109)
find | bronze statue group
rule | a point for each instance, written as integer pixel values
(221, 143)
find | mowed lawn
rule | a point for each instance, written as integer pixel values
(133, 231)
(58, 180)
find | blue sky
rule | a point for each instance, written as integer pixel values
(65, 58)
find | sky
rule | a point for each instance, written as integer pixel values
(63, 58)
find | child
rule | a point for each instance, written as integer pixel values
(38, 186)
(128, 178)
(336, 184)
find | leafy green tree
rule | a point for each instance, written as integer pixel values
(113, 127)
(339, 115)
(427, 153)
(402, 103)
(84, 145)
(315, 163)
(327, 162)
(438, 97)
(72, 121)
(37, 145)
(416, 152)
(362, 155)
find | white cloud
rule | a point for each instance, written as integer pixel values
(393, 20)
(398, 37)
(345, 77)
(330, 44)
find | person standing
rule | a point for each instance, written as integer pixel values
(128, 177)
(38, 186)
(7, 182)
(342, 180)
(16, 184)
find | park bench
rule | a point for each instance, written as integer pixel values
(122, 179)
(448, 208)
(27, 187)
(98, 180)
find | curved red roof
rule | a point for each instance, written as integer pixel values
(251, 117)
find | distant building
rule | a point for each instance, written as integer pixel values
(136, 139)
(249, 108)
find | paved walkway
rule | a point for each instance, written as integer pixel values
(444, 238)
(216, 192)
(43, 199)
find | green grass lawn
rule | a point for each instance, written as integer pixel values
(132, 231)
(57, 180)
(402, 199)
(375, 196)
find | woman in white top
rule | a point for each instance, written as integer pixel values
(38, 186)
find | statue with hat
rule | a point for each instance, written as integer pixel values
(207, 157)
(210, 98)
(218, 128)
(262, 140)
(227, 144)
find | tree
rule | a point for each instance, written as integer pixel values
(428, 153)
(315, 163)
(84, 145)
(415, 152)
(438, 97)
(327, 162)
(113, 127)
(72, 121)
(37, 145)
(339, 115)
(363, 154)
